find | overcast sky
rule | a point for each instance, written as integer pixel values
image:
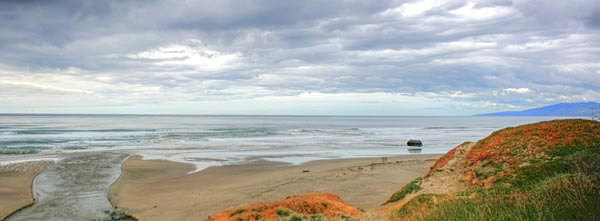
(351, 57)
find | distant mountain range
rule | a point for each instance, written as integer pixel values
(562, 109)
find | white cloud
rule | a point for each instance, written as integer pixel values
(191, 53)
(522, 90)
(415, 8)
(470, 12)
(473, 55)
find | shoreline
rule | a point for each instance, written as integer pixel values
(9, 162)
(201, 163)
(144, 185)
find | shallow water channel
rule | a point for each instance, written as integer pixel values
(74, 189)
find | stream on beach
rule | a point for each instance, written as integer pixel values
(74, 189)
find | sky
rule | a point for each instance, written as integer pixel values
(347, 57)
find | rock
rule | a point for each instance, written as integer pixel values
(416, 143)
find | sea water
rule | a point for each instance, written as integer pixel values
(216, 140)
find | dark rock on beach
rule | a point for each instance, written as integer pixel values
(414, 143)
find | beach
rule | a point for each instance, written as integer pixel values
(189, 167)
(163, 190)
(16, 180)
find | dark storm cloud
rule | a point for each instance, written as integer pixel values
(521, 53)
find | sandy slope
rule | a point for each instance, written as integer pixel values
(162, 190)
(15, 185)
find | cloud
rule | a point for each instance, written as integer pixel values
(189, 55)
(476, 55)
(522, 90)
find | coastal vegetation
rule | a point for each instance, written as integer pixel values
(311, 207)
(565, 187)
(543, 171)
(411, 187)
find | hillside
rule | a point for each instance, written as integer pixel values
(521, 173)
(583, 109)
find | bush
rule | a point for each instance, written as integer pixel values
(282, 212)
(295, 218)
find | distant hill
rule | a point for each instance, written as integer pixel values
(562, 109)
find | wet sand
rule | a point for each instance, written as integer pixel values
(163, 190)
(16, 182)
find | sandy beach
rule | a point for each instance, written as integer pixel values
(16, 182)
(163, 190)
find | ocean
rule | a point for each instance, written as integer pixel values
(217, 140)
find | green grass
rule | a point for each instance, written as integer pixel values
(409, 188)
(562, 160)
(564, 185)
(560, 198)
(296, 218)
(316, 217)
(283, 212)
(423, 201)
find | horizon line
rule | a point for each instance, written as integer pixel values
(250, 115)
(223, 115)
